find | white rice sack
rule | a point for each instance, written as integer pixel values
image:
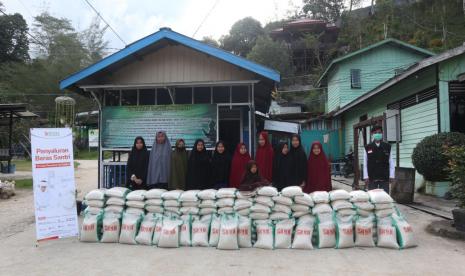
(240, 204)
(368, 206)
(321, 208)
(381, 206)
(264, 235)
(386, 234)
(93, 210)
(379, 196)
(405, 235)
(265, 200)
(228, 233)
(346, 212)
(267, 191)
(364, 231)
(135, 211)
(282, 208)
(111, 227)
(303, 233)
(292, 191)
(364, 213)
(117, 192)
(114, 209)
(200, 228)
(344, 232)
(97, 194)
(226, 210)
(384, 212)
(225, 202)
(304, 199)
(207, 194)
(145, 235)
(171, 214)
(300, 208)
(341, 204)
(185, 231)
(189, 196)
(136, 195)
(244, 232)
(91, 227)
(171, 203)
(116, 201)
(359, 196)
(226, 192)
(135, 204)
(215, 226)
(259, 216)
(154, 202)
(249, 195)
(169, 236)
(207, 203)
(154, 209)
(172, 195)
(157, 231)
(244, 212)
(189, 210)
(320, 197)
(260, 208)
(339, 194)
(95, 203)
(207, 211)
(284, 200)
(300, 214)
(283, 233)
(279, 216)
(154, 193)
(326, 231)
(190, 204)
(307, 217)
(129, 228)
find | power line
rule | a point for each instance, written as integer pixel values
(205, 18)
(103, 19)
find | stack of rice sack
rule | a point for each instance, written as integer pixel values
(171, 203)
(244, 200)
(225, 198)
(383, 203)
(340, 202)
(282, 207)
(326, 229)
(361, 201)
(207, 203)
(95, 201)
(263, 203)
(302, 203)
(189, 202)
(154, 202)
(135, 202)
(321, 203)
(116, 199)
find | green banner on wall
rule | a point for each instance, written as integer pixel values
(121, 124)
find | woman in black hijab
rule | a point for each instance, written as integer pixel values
(220, 166)
(198, 167)
(137, 165)
(298, 174)
(282, 167)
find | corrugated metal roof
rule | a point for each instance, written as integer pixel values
(166, 33)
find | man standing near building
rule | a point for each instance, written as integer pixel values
(378, 165)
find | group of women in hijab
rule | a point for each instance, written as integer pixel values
(176, 169)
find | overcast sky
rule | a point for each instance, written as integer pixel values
(136, 19)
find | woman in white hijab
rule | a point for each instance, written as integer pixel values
(159, 163)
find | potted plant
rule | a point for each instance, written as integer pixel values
(430, 161)
(456, 171)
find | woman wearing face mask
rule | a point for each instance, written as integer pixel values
(252, 178)
(178, 166)
(137, 165)
(220, 166)
(298, 175)
(198, 167)
(282, 167)
(264, 156)
(319, 171)
(160, 161)
(238, 164)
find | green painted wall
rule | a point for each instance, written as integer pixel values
(377, 66)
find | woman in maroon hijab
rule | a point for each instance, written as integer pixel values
(238, 164)
(264, 156)
(319, 174)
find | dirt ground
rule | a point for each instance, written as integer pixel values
(20, 256)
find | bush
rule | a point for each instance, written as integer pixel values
(456, 169)
(428, 156)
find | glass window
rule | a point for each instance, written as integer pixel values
(163, 96)
(129, 97)
(202, 95)
(240, 94)
(221, 94)
(183, 96)
(147, 97)
(355, 78)
(112, 98)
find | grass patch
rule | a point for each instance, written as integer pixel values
(23, 183)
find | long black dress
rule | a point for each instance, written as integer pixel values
(281, 168)
(198, 169)
(137, 165)
(220, 168)
(298, 164)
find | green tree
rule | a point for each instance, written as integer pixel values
(94, 43)
(210, 40)
(328, 10)
(242, 36)
(14, 45)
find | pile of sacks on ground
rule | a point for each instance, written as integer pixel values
(230, 219)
